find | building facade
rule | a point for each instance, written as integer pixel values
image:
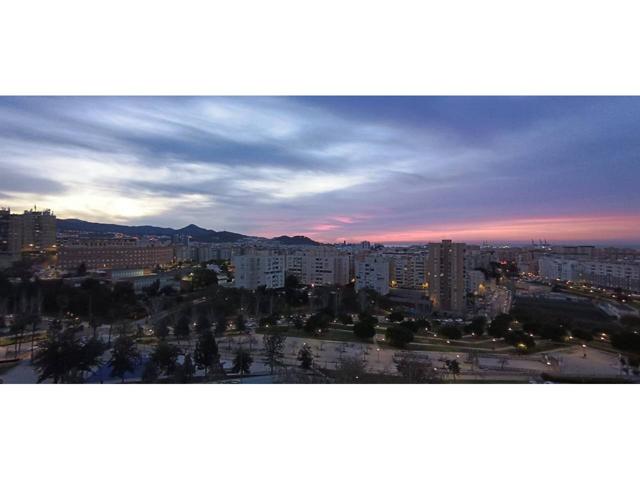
(446, 276)
(32, 231)
(113, 254)
(374, 272)
(259, 269)
(318, 267)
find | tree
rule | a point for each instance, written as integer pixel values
(124, 357)
(203, 277)
(500, 325)
(185, 372)
(305, 357)
(206, 352)
(242, 362)
(220, 326)
(364, 330)
(520, 340)
(273, 349)
(627, 341)
(582, 334)
(454, 368)
(413, 368)
(182, 329)
(477, 326)
(150, 372)
(318, 323)
(350, 370)
(165, 357)
(240, 323)
(396, 317)
(63, 358)
(557, 333)
(203, 323)
(451, 332)
(345, 319)
(398, 336)
(631, 321)
(55, 357)
(367, 318)
(161, 328)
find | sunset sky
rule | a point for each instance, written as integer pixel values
(388, 169)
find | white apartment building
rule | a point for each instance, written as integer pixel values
(558, 268)
(601, 273)
(259, 269)
(612, 274)
(318, 267)
(373, 271)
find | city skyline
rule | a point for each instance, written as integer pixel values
(384, 169)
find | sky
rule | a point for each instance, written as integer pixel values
(384, 169)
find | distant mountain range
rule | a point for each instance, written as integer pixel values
(197, 233)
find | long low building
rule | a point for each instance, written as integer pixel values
(609, 274)
(113, 254)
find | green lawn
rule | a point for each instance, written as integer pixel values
(584, 314)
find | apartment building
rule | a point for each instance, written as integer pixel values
(113, 254)
(373, 271)
(261, 268)
(318, 267)
(446, 276)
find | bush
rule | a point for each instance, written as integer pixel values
(451, 332)
(532, 327)
(520, 340)
(398, 336)
(413, 326)
(477, 326)
(585, 335)
(500, 325)
(364, 330)
(317, 323)
(368, 318)
(628, 341)
(422, 323)
(557, 333)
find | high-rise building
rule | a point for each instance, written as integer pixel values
(32, 231)
(373, 271)
(446, 276)
(5, 222)
(261, 268)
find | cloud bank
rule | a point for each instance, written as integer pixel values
(334, 168)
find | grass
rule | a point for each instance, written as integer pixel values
(26, 339)
(333, 334)
(586, 315)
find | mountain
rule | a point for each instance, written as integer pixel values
(197, 233)
(295, 240)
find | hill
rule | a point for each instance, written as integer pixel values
(197, 233)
